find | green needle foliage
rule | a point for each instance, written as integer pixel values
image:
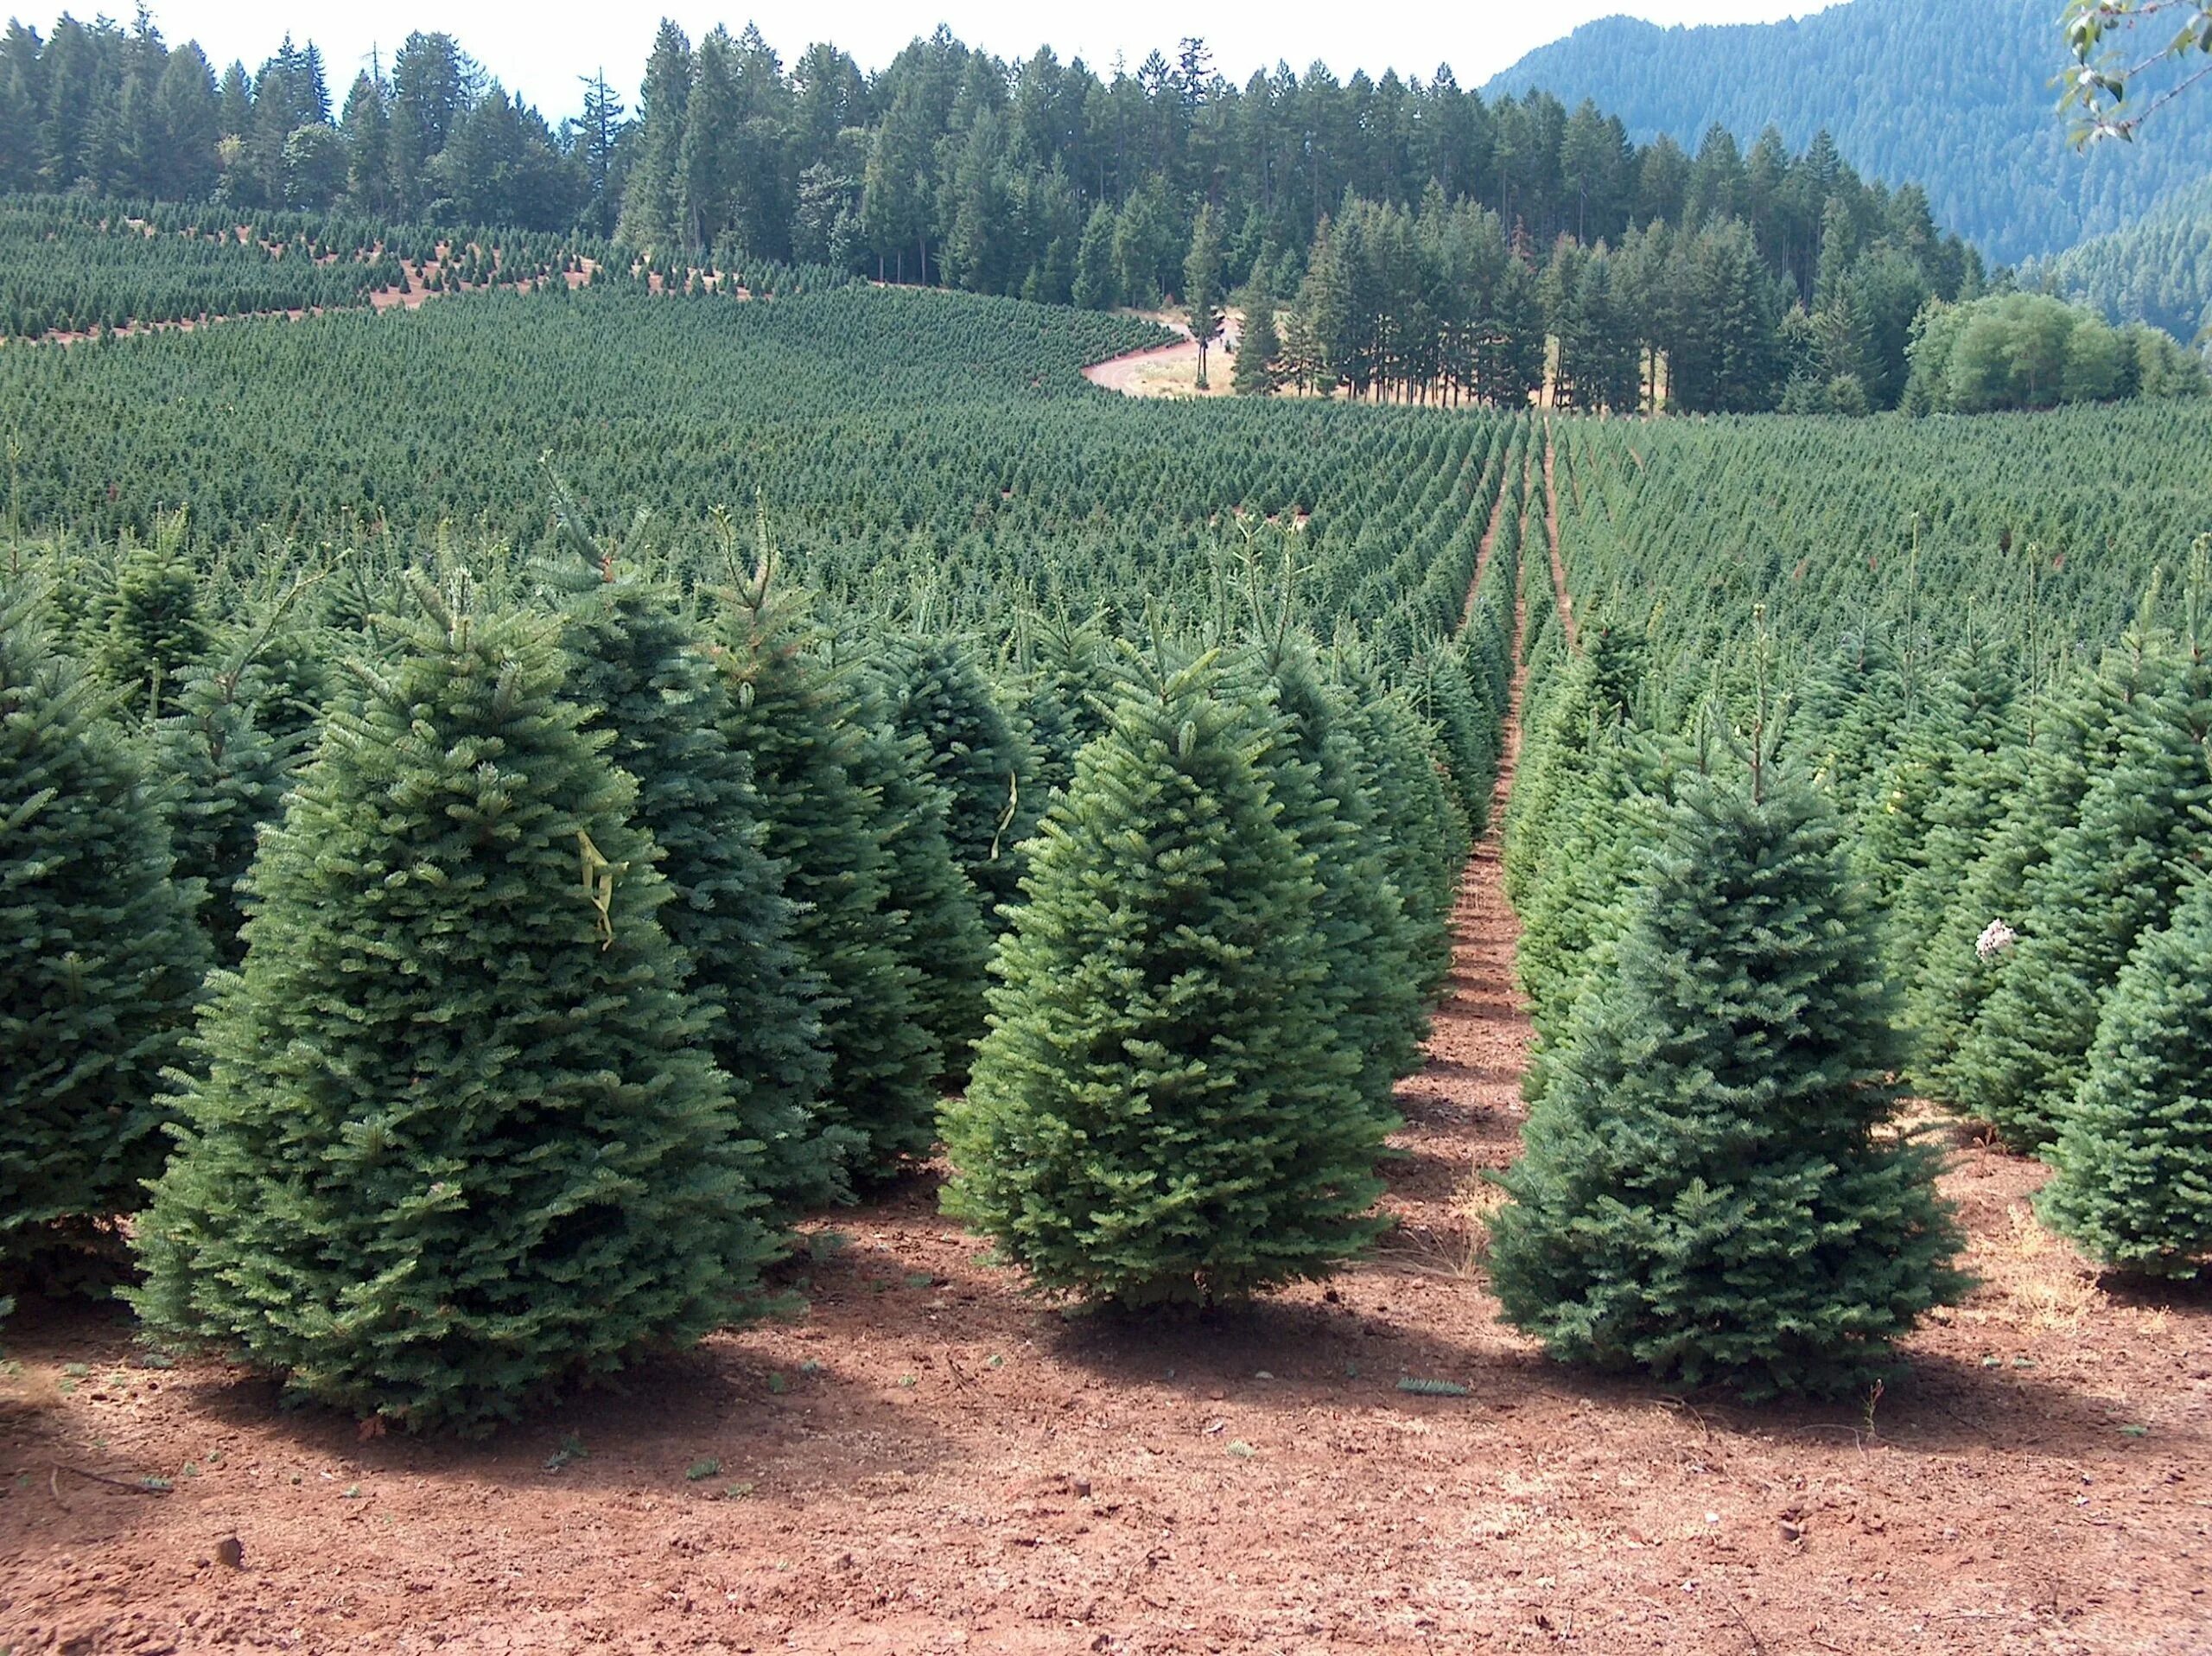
(103, 966)
(1325, 793)
(155, 629)
(2114, 874)
(940, 936)
(935, 691)
(2133, 1167)
(458, 1139)
(633, 661)
(1706, 1195)
(787, 713)
(1163, 1111)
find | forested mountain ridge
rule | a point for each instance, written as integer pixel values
(2158, 271)
(1954, 95)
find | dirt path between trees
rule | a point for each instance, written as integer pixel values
(922, 1460)
(1170, 370)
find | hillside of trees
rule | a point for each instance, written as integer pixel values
(1954, 95)
(1436, 241)
(2158, 271)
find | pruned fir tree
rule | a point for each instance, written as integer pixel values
(2132, 1179)
(1325, 793)
(2113, 874)
(635, 665)
(789, 714)
(1163, 1111)
(935, 690)
(456, 1138)
(940, 937)
(1708, 1193)
(103, 964)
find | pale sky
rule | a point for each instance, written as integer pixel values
(538, 47)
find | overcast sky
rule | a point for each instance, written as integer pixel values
(538, 47)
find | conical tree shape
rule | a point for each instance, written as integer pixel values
(458, 1139)
(2075, 740)
(2113, 876)
(1571, 924)
(1703, 1195)
(155, 630)
(1160, 1113)
(224, 779)
(1935, 806)
(633, 664)
(1325, 794)
(1427, 849)
(1470, 736)
(934, 691)
(940, 938)
(1058, 700)
(791, 718)
(103, 964)
(2132, 1179)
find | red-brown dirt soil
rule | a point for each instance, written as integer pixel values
(923, 1460)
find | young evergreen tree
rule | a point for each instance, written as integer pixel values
(1427, 849)
(935, 690)
(1325, 792)
(458, 1139)
(1162, 1110)
(633, 663)
(787, 713)
(1703, 1195)
(939, 935)
(103, 964)
(223, 778)
(2075, 741)
(155, 630)
(2113, 875)
(2132, 1170)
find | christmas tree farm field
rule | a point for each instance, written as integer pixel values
(928, 1458)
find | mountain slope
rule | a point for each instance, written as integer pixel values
(1953, 94)
(2158, 271)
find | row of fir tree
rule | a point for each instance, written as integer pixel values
(460, 984)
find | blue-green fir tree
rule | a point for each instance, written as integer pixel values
(455, 1137)
(1163, 1111)
(2132, 1170)
(1707, 1194)
(104, 966)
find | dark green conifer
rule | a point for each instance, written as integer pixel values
(935, 690)
(1427, 852)
(1161, 1111)
(940, 936)
(2074, 741)
(2132, 1179)
(634, 664)
(1060, 694)
(155, 630)
(103, 964)
(1704, 1196)
(1325, 792)
(457, 1138)
(2113, 875)
(789, 715)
